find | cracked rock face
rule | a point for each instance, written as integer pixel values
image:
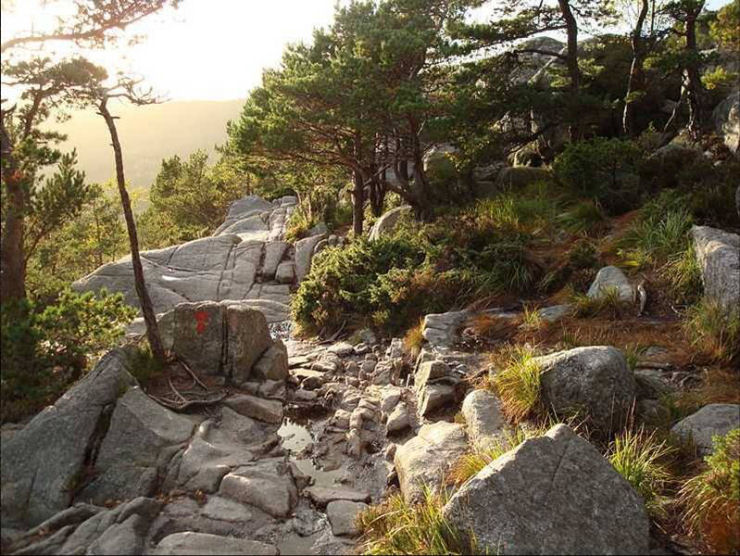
(41, 462)
(718, 253)
(551, 495)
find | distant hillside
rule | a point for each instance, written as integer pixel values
(148, 134)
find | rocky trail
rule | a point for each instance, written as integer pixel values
(254, 442)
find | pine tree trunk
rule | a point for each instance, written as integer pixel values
(358, 203)
(12, 252)
(571, 27)
(150, 319)
(12, 249)
(693, 82)
(636, 77)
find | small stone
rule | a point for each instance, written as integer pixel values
(342, 349)
(190, 542)
(430, 370)
(321, 496)
(435, 396)
(398, 420)
(305, 395)
(223, 509)
(273, 365)
(342, 516)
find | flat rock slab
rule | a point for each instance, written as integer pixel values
(206, 544)
(321, 496)
(553, 494)
(269, 411)
(715, 419)
(263, 485)
(141, 438)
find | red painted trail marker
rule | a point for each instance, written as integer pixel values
(202, 321)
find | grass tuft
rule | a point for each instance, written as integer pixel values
(395, 527)
(711, 500)
(518, 385)
(714, 331)
(470, 464)
(607, 304)
(642, 460)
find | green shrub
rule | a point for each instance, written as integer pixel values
(396, 527)
(45, 349)
(711, 500)
(604, 170)
(419, 269)
(585, 217)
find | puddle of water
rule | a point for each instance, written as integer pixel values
(320, 477)
(295, 437)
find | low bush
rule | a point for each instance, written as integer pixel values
(711, 500)
(46, 348)
(395, 527)
(413, 340)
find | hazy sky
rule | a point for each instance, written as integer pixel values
(207, 49)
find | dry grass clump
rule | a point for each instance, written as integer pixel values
(413, 340)
(395, 527)
(714, 331)
(711, 500)
(717, 386)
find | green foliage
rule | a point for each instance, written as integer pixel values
(711, 500)
(604, 170)
(82, 243)
(725, 29)
(45, 348)
(641, 459)
(189, 198)
(396, 527)
(144, 366)
(656, 236)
